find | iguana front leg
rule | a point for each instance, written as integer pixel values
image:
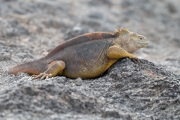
(54, 68)
(116, 52)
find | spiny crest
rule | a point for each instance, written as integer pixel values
(121, 31)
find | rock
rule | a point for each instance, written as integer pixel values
(77, 30)
(115, 114)
(12, 28)
(135, 89)
(171, 7)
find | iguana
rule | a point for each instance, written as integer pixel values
(85, 56)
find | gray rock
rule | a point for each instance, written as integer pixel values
(139, 90)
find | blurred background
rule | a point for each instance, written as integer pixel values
(29, 29)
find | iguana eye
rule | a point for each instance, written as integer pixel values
(141, 38)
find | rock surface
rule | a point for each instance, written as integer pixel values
(127, 91)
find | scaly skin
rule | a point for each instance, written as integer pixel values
(85, 56)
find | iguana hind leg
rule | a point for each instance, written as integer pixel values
(54, 68)
(116, 52)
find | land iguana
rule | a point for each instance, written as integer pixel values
(85, 56)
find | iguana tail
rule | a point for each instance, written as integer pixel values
(34, 67)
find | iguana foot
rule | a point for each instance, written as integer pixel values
(42, 76)
(116, 52)
(54, 68)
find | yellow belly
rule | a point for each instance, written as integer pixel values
(90, 73)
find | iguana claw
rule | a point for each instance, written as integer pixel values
(42, 76)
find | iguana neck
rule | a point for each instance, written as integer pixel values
(128, 45)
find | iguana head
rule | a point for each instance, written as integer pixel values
(130, 41)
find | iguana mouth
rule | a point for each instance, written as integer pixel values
(143, 43)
